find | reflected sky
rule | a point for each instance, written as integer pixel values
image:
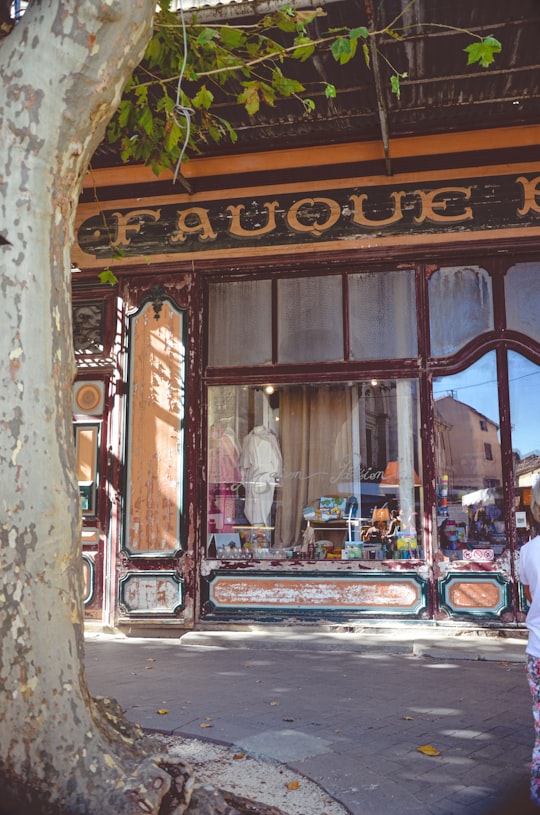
(477, 387)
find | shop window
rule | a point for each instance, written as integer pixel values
(318, 471)
(524, 381)
(470, 508)
(460, 307)
(382, 315)
(522, 294)
(310, 319)
(240, 323)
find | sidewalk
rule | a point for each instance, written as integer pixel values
(348, 710)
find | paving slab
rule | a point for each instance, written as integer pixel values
(348, 713)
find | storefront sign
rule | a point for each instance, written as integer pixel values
(464, 205)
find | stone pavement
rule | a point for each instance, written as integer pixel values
(348, 710)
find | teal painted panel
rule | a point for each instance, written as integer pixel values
(470, 594)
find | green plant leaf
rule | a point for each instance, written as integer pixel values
(250, 97)
(359, 33)
(231, 37)
(107, 276)
(343, 49)
(206, 35)
(203, 99)
(145, 120)
(330, 91)
(483, 52)
(305, 48)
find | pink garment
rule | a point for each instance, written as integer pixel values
(223, 475)
(223, 457)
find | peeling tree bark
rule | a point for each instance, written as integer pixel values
(62, 72)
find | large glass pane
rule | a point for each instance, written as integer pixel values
(310, 319)
(382, 315)
(469, 463)
(319, 471)
(524, 377)
(240, 323)
(460, 307)
(522, 295)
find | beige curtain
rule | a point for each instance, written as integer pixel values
(315, 428)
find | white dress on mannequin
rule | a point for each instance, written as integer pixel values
(261, 466)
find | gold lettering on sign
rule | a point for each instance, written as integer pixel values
(201, 227)
(131, 222)
(317, 228)
(530, 195)
(238, 230)
(359, 218)
(429, 205)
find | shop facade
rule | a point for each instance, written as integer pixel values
(311, 395)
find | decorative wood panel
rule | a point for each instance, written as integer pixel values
(89, 577)
(155, 437)
(466, 594)
(151, 593)
(373, 593)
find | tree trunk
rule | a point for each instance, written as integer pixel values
(62, 68)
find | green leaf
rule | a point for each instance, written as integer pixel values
(394, 34)
(285, 86)
(330, 91)
(141, 92)
(343, 49)
(250, 97)
(359, 33)
(206, 36)
(124, 112)
(305, 48)
(483, 52)
(107, 276)
(231, 37)
(203, 99)
(145, 121)
(367, 57)
(394, 83)
(309, 105)
(173, 134)
(233, 135)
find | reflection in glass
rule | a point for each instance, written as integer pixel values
(382, 315)
(460, 307)
(522, 294)
(310, 321)
(524, 378)
(240, 323)
(326, 471)
(468, 462)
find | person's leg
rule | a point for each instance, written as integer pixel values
(533, 677)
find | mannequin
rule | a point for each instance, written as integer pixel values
(261, 467)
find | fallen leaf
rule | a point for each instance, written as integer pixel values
(293, 785)
(337, 731)
(162, 711)
(274, 704)
(408, 719)
(150, 659)
(238, 756)
(206, 724)
(428, 750)
(148, 667)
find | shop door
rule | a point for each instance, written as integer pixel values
(152, 567)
